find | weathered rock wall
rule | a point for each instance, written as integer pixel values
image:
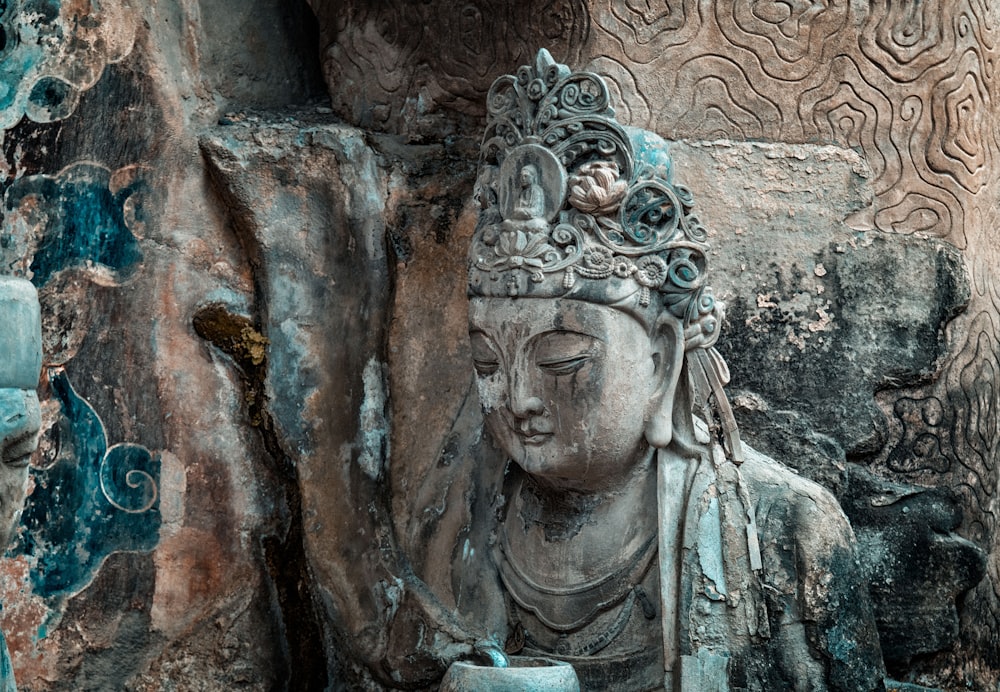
(155, 548)
(259, 311)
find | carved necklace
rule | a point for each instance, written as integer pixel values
(593, 644)
(568, 607)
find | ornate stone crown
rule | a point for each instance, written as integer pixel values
(574, 204)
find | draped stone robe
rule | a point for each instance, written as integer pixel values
(801, 622)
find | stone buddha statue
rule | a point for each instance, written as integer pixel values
(20, 416)
(619, 523)
(531, 199)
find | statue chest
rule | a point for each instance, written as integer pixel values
(608, 626)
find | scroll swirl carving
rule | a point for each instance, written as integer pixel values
(787, 38)
(425, 57)
(961, 151)
(947, 433)
(912, 85)
(645, 30)
(906, 40)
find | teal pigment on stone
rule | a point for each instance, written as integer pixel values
(85, 221)
(70, 524)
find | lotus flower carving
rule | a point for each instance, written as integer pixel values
(597, 188)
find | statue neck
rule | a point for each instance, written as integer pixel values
(567, 535)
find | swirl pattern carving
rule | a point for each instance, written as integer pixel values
(393, 61)
(947, 433)
(912, 85)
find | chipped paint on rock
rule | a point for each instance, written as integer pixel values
(55, 51)
(77, 217)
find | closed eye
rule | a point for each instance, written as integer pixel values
(486, 368)
(18, 451)
(484, 354)
(564, 366)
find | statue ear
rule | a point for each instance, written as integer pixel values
(668, 347)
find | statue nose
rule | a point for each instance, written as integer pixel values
(522, 403)
(530, 406)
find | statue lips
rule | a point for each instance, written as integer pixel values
(534, 434)
(535, 439)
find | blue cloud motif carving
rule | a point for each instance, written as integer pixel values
(92, 502)
(51, 51)
(80, 219)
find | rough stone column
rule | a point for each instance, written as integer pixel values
(157, 549)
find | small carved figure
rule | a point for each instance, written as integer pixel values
(20, 415)
(531, 199)
(619, 523)
(531, 180)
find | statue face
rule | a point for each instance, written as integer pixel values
(20, 421)
(566, 386)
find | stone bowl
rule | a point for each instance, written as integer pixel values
(525, 674)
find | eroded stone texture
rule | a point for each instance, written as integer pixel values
(319, 247)
(809, 294)
(917, 566)
(902, 92)
(155, 513)
(175, 330)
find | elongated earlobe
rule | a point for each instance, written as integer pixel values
(669, 346)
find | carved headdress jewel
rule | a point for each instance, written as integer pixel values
(573, 204)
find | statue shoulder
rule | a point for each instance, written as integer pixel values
(788, 502)
(813, 579)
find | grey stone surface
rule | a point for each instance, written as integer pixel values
(522, 675)
(20, 414)
(813, 296)
(917, 566)
(325, 292)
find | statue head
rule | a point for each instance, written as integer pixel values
(582, 328)
(529, 176)
(20, 416)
